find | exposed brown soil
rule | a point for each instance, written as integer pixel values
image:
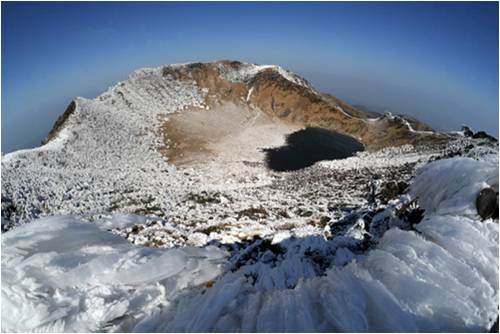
(207, 75)
(182, 141)
(274, 94)
(300, 106)
(228, 131)
(335, 101)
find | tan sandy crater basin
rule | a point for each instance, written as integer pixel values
(226, 133)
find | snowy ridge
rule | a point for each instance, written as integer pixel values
(387, 157)
(246, 72)
(423, 277)
(343, 112)
(391, 116)
(359, 118)
(413, 130)
(107, 146)
(55, 144)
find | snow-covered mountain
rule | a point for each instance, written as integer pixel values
(153, 208)
(112, 152)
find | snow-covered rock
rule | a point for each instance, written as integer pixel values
(451, 186)
(62, 274)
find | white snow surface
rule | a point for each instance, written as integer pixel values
(451, 186)
(247, 71)
(62, 274)
(107, 147)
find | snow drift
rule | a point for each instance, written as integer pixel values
(65, 275)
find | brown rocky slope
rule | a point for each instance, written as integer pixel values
(301, 105)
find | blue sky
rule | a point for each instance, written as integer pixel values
(435, 61)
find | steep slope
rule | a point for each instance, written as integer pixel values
(175, 157)
(293, 100)
(105, 147)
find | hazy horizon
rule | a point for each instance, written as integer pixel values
(434, 61)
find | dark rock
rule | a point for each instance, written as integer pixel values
(484, 135)
(487, 203)
(468, 148)
(324, 220)
(390, 190)
(304, 213)
(415, 216)
(137, 228)
(402, 186)
(494, 328)
(434, 158)
(411, 213)
(205, 197)
(467, 131)
(320, 261)
(256, 250)
(253, 213)
(283, 213)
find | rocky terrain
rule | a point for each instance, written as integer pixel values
(213, 120)
(158, 202)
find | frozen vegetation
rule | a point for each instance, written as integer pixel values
(439, 274)
(102, 233)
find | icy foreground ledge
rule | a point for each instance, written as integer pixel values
(61, 274)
